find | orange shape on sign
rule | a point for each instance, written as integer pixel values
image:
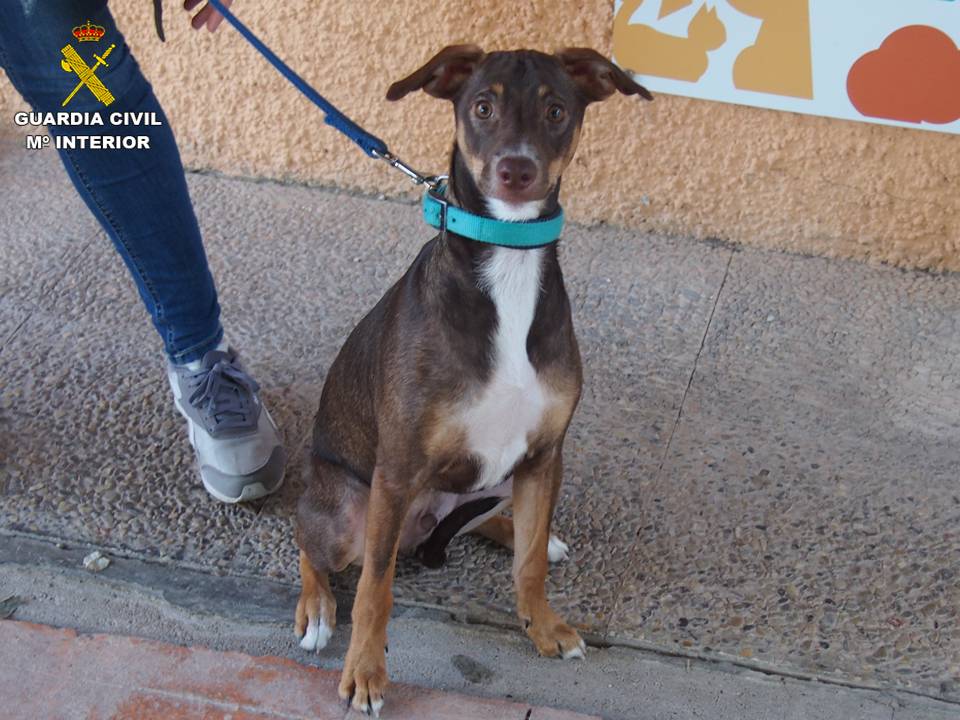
(668, 7)
(914, 76)
(779, 62)
(644, 50)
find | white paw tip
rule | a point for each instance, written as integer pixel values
(375, 706)
(577, 653)
(316, 636)
(309, 639)
(557, 549)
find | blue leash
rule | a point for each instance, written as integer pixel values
(368, 142)
(372, 145)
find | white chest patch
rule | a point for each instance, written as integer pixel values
(510, 406)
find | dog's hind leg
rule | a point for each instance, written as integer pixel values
(499, 529)
(330, 520)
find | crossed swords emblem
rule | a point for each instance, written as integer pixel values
(72, 62)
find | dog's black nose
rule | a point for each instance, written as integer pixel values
(517, 172)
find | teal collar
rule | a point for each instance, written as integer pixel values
(527, 234)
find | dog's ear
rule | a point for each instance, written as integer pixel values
(442, 76)
(596, 77)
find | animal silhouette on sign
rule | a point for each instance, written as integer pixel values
(647, 51)
(779, 61)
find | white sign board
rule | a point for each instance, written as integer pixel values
(887, 61)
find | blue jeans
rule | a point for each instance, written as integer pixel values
(138, 195)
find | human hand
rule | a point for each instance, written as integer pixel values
(207, 16)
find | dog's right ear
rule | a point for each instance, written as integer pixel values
(442, 76)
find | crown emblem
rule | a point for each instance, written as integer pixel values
(89, 32)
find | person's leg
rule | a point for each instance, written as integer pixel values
(140, 197)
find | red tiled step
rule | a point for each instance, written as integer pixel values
(52, 673)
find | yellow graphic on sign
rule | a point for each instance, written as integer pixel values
(779, 61)
(647, 51)
(72, 62)
(668, 7)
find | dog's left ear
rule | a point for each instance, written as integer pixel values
(596, 77)
(442, 76)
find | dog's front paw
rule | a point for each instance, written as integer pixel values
(557, 550)
(363, 683)
(553, 637)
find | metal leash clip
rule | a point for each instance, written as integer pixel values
(431, 181)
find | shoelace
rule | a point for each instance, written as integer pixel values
(223, 394)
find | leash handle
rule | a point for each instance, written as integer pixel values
(368, 142)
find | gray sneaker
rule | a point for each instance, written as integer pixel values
(236, 441)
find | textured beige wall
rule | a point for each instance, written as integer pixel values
(678, 166)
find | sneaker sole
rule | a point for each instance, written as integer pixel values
(255, 485)
(252, 490)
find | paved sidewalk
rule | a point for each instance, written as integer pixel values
(51, 673)
(192, 608)
(764, 468)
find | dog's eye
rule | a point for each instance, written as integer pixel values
(556, 113)
(483, 109)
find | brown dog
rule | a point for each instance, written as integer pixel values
(453, 395)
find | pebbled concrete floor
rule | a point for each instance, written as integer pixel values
(763, 467)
